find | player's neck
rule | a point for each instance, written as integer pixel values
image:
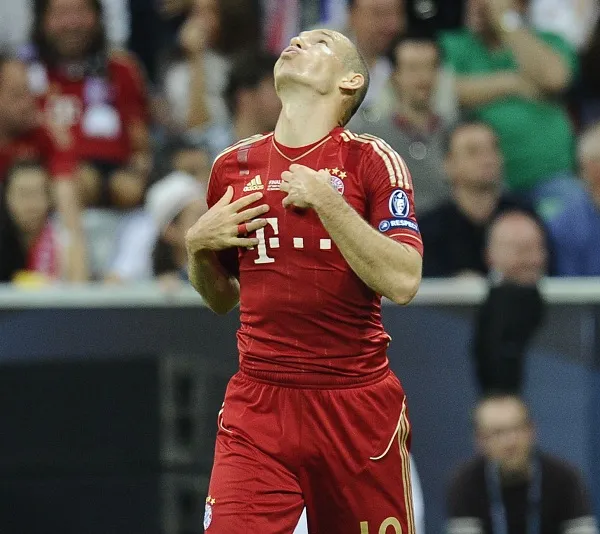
(304, 119)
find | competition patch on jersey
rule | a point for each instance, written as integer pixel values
(274, 185)
(391, 224)
(399, 204)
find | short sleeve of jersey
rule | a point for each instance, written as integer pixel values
(216, 189)
(390, 198)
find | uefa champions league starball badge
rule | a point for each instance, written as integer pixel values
(399, 205)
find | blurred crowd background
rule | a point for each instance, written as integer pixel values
(111, 112)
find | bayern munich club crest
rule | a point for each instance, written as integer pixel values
(337, 184)
(208, 512)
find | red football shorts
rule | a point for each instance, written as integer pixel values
(341, 452)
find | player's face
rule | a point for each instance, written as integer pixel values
(71, 26)
(517, 249)
(315, 59)
(17, 105)
(28, 200)
(416, 72)
(376, 23)
(474, 160)
(504, 434)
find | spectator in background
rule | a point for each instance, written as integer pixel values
(213, 33)
(517, 257)
(433, 16)
(589, 97)
(15, 23)
(513, 487)
(252, 103)
(373, 25)
(99, 96)
(28, 241)
(22, 136)
(414, 130)
(511, 76)
(133, 257)
(573, 20)
(454, 233)
(175, 203)
(517, 248)
(154, 25)
(576, 233)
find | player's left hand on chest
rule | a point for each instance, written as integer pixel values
(303, 185)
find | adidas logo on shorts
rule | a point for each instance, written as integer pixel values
(254, 185)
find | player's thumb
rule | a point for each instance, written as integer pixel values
(226, 198)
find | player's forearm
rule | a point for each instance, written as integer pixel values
(478, 90)
(537, 61)
(387, 267)
(219, 290)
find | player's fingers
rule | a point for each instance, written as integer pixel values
(244, 242)
(251, 213)
(254, 225)
(286, 176)
(297, 167)
(287, 201)
(226, 198)
(240, 203)
(285, 187)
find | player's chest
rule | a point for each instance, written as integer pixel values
(293, 234)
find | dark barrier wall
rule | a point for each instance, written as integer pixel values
(429, 352)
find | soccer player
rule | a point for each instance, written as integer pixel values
(307, 227)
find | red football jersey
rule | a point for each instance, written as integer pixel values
(38, 144)
(303, 309)
(99, 110)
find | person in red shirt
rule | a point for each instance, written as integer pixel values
(307, 228)
(23, 137)
(28, 240)
(100, 96)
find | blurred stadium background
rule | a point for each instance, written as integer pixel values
(111, 370)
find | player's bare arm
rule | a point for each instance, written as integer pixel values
(391, 269)
(222, 227)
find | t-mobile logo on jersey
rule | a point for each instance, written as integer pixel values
(298, 242)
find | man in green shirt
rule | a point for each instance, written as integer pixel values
(511, 77)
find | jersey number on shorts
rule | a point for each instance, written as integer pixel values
(383, 528)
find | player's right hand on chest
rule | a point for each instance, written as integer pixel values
(227, 224)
